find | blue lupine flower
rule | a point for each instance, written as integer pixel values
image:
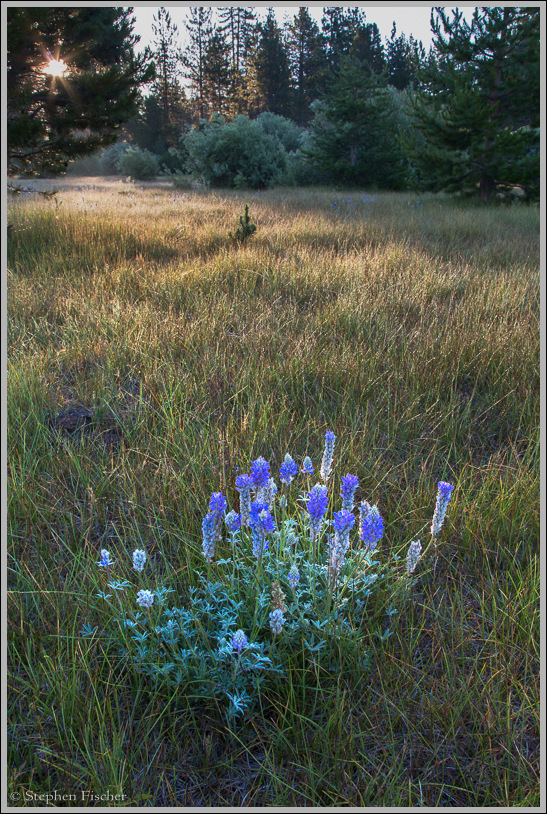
(139, 559)
(210, 527)
(288, 469)
(293, 576)
(342, 521)
(317, 502)
(261, 519)
(243, 486)
(307, 466)
(145, 599)
(243, 482)
(260, 544)
(444, 493)
(105, 561)
(277, 620)
(233, 521)
(414, 553)
(239, 641)
(260, 473)
(371, 525)
(337, 553)
(328, 452)
(347, 491)
(269, 492)
(217, 504)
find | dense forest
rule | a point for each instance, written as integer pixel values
(250, 103)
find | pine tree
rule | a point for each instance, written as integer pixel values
(199, 29)
(217, 78)
(353, 140)
(403, 57)
(272, 76)
(368, 49)
(308, 61)
(166, 86)
(52, 120)
(237, 24)
(478, 107)
(339, 27)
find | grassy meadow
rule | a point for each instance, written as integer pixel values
(150, 358)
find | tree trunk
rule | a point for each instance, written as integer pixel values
(485, 188)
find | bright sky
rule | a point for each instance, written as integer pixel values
(409, 19)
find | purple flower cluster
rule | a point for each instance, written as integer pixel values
(277, 620)
(444, 493)
(243, 483)
(262, 523)
(317, 502)
(260, 473)
(328, 453)
(217, 504)
(211, 524)
(293, 577)
(243, 486)
(105, 561)
(288, 469)
(209, 530)
(371, 525)
(342, 521)
(233, 521)
(261, 519)
(347, 491)
(307, 466)
(239, 641)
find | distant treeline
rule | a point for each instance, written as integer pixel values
(332, 103)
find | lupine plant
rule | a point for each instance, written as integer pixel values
(292, 583)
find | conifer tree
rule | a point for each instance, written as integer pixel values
(403, 57)
(368, 49)
(237, 24)
(217, 76)
(53, 119)
(339, 27)
(354, 138)
(272, 76)
(199, 29)
(308, 61)
(166, 86)
(478, 107)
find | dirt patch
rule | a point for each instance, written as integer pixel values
(77, 421)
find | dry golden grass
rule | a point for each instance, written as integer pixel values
(413, 334)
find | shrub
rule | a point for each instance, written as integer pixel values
(110, 156)
(221, 152)
(282, 595)
(173, 160)
(300, 171)
(288, 133)
(139, 165)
